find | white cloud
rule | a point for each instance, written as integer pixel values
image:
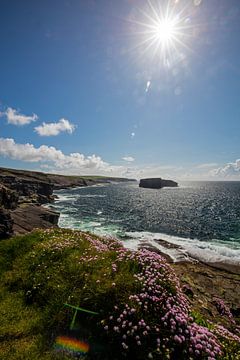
(228, 171)
(128, 158)
(74, 163)
(53, 129)
(15, 118)
(54, 160)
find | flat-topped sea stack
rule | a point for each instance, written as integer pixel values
(157, 183)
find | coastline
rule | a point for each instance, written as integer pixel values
(211, 289)
(23, 194)
(34, 211)
(218, 266)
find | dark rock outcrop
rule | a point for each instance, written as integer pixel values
(6, 224)
(38, 190)
(30, 216)
(8, 198)
(157, 183)
(20, 198)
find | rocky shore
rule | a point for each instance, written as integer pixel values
(23, 192)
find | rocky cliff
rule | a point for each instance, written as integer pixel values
(157, 183)
(20, 198)
(23, 192)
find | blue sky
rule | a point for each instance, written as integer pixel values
(84, 90)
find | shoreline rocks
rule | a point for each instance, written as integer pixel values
(30, 216)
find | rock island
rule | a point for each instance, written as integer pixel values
(157, 183)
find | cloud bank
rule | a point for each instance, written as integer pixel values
(49, 154)
(230, 170)
(53, 129)
(15, 118)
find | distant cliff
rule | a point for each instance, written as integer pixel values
(157, 183)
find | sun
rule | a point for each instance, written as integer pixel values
(163, 29)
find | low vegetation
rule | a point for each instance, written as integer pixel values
(67, 294)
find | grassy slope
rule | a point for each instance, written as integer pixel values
(142, 312)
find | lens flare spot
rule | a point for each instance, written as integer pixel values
(72, 345)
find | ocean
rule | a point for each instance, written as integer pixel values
(198, 220)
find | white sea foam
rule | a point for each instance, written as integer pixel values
(64, 197)
(207, 251)
(92, 196)
(71, 197)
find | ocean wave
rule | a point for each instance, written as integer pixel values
(182, 248)
(177, 248)
(64, 197)
(72, 197)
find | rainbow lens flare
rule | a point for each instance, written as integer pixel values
(70, 344)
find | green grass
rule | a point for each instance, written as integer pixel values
(39, 273)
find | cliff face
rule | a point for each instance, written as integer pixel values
(157, 183)
(35, 190)
(8, 198)
(20, 198)
(6, 223)
(8, 201)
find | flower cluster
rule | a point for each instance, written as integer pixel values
(225, 333)
(147, 314)
(223, 309)
(156, 317)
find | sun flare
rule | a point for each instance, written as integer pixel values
(164, 29)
